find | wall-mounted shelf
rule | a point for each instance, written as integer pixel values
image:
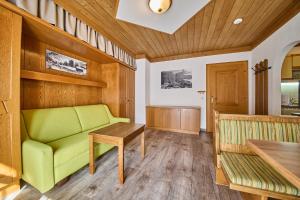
(39, 76)
(49, 34)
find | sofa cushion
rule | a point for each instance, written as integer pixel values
(252, 171)
(239, 131)
(92, 116)
(46, 125)
(68, 148)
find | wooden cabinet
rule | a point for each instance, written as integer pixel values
(174, 118)
(286, 71)
(10, 46)
(296, 61)
(120, 92)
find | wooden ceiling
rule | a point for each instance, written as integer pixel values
(210, 31)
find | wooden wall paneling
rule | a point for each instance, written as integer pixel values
(111, 94)
(287, 68)
(10, 151)
(42, 94)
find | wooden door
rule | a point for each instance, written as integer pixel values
(10, 46)
(227, 89)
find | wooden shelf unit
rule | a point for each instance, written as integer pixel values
(49, 34)
(39, 76)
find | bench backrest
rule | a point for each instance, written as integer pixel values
(233, 131)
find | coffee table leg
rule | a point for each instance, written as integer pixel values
(92, 161)
(121, 161)
(143, 145)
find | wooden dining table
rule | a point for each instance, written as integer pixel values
(284, 157)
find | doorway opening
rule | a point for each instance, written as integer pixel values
(290, 83)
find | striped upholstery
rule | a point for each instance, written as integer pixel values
(239, 131)
(252, 171)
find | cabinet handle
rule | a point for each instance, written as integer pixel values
(5, 106)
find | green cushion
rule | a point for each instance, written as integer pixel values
(92, 116)
(252, 171)
(46, 125)
(239, 131)
(67, 148)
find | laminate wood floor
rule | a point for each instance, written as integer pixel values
(176, 166)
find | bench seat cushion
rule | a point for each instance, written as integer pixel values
(252, 171)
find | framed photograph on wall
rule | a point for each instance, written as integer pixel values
(175, 79)
(64, 63)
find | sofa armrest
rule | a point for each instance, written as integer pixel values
(38, 167)
(119, 119)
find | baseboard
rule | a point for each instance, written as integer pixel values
(174, 130)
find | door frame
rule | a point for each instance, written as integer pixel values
(207, 88)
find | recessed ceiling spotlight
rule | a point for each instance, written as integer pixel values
(160, 6)
(238, 21)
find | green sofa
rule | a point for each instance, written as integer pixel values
(55, 141)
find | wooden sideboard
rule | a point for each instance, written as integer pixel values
(183, 119)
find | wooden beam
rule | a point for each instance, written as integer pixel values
(202, 53)
(26, 74)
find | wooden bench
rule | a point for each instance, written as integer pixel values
(239, 168)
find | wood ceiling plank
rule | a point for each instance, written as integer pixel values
(270, 17)
(236, 29)
(208, 11)
(218, 8)
(198, 24)
(190, 35)
(227, 9)
(250, 20)
(282, 19)
(209, 29)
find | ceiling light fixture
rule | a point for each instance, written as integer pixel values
(238, 21)
(159, 6)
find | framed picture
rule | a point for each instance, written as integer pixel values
(64, 63)
(176, 79)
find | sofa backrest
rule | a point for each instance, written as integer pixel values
(233, 131)
(46, 125)
(92, 116)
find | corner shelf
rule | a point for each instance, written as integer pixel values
(39, 76)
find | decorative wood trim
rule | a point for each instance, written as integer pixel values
(26, 74)
(262, 118)
(142, 56)
(40, 29)
(203, 53)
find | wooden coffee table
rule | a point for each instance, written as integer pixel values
(119, 135)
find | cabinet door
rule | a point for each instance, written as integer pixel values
(130, 108)
(10, 45)
(123, 91)
(286, 71)
(171, 118)
(190, 120)
(296, 60)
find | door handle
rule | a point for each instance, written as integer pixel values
(5, 106)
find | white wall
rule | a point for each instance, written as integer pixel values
(190, 97)
(275, 49)
(141, 90)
